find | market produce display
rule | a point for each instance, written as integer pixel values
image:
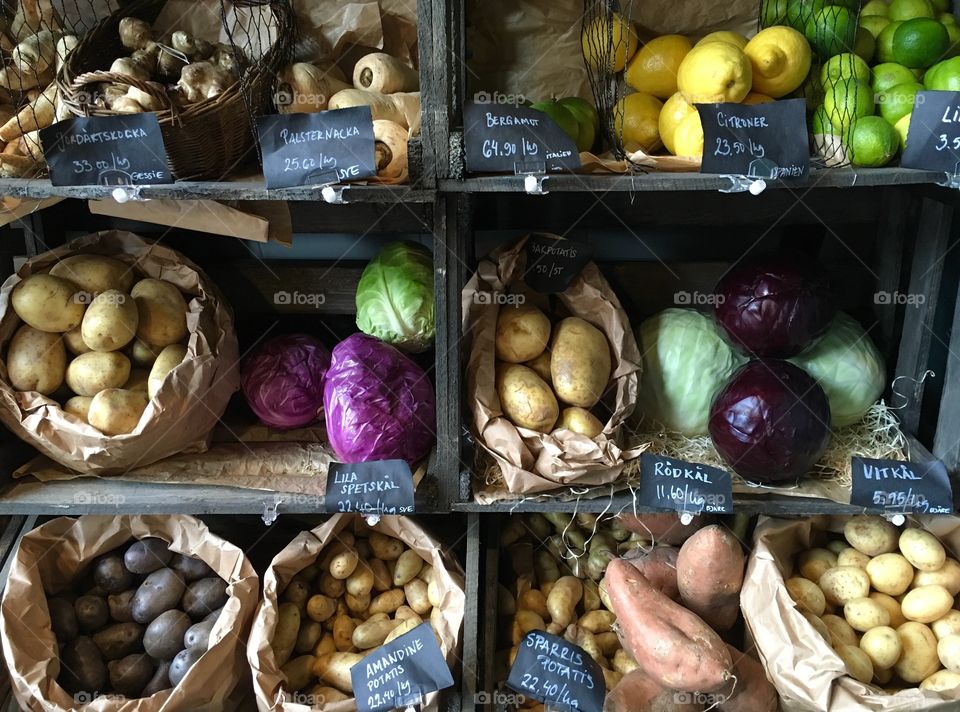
(577, 118)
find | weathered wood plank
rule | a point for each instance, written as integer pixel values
(946, 440)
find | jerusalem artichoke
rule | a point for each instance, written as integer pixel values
(203, 80)
(36, 54)
(129, 67)
(135, 33)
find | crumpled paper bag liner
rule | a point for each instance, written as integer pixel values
(193, 397)
(806, 671)
(530, 461)
(54, 555)
(268, 681)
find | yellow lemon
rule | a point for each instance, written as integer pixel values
(609, 45)
(653, 68)
(688, 138)
(675, 110)
(636, 118)
(714, 72)
(903, 128)
(734, 38)
(780, 58)
(755, 98)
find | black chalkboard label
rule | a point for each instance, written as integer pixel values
(895, 486)
(760, 141)
(553, 263)
(317, 149)
(669, 483)
(402, 672)
(557, 673)
(106, 150)
(933, 141)
(375, 487)
(502, 138)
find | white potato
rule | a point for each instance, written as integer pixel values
(864, 613)
(890, 573)
(48, 303)
(74, 341)
(171, 357)
(807, 595)
(891, 605)
(95, 273)
(919, 659)
(941, 681)
(844, 583)
(947, 576)
(926, 604)
(813, 563)
(948, 625)
(110, 322)
(882, 646)
(162, 312)
(948, 650)
(851, 557)
(115, 411)
(90, 373)
(858, 663)
(36, 360)
(871, 534)
(840, 631)
(922, 549)
(79, 406)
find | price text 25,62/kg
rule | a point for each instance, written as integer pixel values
(319, 163)
(500, 149)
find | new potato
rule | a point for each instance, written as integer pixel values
(851, 557)
(541, 366)
(807, 595)
(919, 659)
(941, 681)
(95, 273)
(858, 663)
(890, 573)
(871, 535)
(48, 303)
(864, 614)
(162, 312)
(948, 650)
(90, 373)
(522, 333)
(840, 631)
(813, 563)
(949, 624)
(882, 646)
(579, 362)
(947, 576)
(74, 341)
(36, 360)
(844, 583)
(525, 398)
(579, 420)
(115, 411)
(926, 604)
(891, 605)
(171, 357)
(142, 354)
(110, 322)
(922, 549)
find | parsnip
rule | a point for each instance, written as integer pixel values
(386, 74)
(13, 166)
(401, 108)
(305, 88)
(36, 115)
(36, 54)
(390, 149)
(18, 81)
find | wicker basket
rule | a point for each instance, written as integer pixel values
(206, 140)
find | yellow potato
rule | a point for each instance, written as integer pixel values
(541, 366)
(941, 681)
(285, 634)
(882, 646)
(881, 676)
(325, 645)
(864, 613)
(926, 604)
(919, 659)
(597, 622)
(405, 626)
(948, 650)
(947, 576)
(79, 406)
(890, 573)
(858, 663)
(949, 624)
(344, 563)
(523, 623)
(138, 380)
(162, 310)
(416, 593)
(343, 627)
(835, 546)
(579, 362)
(818, 625)
(385, 548)
(922, 549)
(851, 557)
(522, 333)
(74, 341)
(115, 411)
(143, 354)
(844, 583)
(90, 373)
(36, 360)
(408, 566)
(840, 631)
(387, 602)
(373, 632)
(807, 595)
(48, 303)
(360, 582)
(382, 578)
(579, 420)
(813, 563)
(110, 322)
(407, 613)
(171, 357)
(95, 273)
(871, 534)
(891, 605)
(525, 398)
(334, 669)
(320, 608)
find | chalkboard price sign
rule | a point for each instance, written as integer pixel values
(106, 150)
(375, 487)
(760, 141)
(503, 138)
(557, 673)
(933, 141)
(400, 673)
(895, 486)
(553, 263)
(669, 483)
(317, 149)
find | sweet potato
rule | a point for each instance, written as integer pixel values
(659, 567)
(752, 691)
(663, 528)
(637, 691)
(710, 574)
(671, 644)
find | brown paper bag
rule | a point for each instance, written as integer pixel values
(304, 550)
(806, 671)
(54, 555)
(185, 410)
(530, 461)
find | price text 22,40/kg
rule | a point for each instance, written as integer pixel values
(738, 148)
(526, 149)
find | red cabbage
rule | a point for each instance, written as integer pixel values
(282, 380)
(775, 305)
(379, 404)
(770, 422)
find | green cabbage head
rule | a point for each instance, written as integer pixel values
(395, 297)
(685, 362)
(848, 367)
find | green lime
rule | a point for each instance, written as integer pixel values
(889, 74)
(943, 76)
(909, 9)
(560, 116)
(874, 142)
(874, 24)
(865, 45)
(953, 40)
(847, 100)
(885, 42)
(846, 65)
(875, 7)
(831, 31)
(851, 5)
(903, 128)
(820, 122)
(773, 12)
(947, 18)
(811, 90)
(940, 5)
(587, 119)
(920, 42)
(897, 102)
(799, 12)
